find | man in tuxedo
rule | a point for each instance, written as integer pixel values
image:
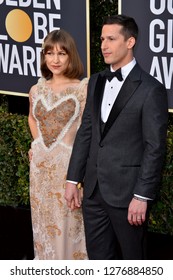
(119, 148)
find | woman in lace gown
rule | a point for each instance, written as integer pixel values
(56, 106)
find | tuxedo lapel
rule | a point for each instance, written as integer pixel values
(126, 92)
(98, 96)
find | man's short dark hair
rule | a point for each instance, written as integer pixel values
(129, 26)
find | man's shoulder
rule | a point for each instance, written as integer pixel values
(148, 78)
(95, 76)
(152, 80)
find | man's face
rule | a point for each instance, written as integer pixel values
(115, 49)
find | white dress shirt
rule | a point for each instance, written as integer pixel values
(112, 89)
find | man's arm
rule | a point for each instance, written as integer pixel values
(154, 128)
(154, 131)
(78, 160)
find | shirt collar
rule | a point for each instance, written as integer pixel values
(125, 70)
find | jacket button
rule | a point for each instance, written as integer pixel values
(101, 145)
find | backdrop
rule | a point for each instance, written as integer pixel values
(155, 46)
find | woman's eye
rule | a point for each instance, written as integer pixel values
(52, 53)
(49, 53)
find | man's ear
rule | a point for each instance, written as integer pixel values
(131, 42)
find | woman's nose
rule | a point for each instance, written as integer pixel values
(56, 57)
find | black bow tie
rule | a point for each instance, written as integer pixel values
(110, 75)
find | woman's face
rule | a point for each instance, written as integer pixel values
(57, 60)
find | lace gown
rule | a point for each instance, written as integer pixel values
(58, 232)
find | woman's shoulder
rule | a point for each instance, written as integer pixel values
(35, 88)
(83, 83)
(81, 89)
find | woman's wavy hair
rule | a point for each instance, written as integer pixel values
(66, 42)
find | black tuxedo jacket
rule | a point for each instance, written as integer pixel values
(127, 157)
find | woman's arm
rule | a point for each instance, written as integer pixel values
(31, 120)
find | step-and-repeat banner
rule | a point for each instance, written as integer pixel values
(154, 50)
(24, 24)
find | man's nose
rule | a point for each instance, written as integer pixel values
(103, 45)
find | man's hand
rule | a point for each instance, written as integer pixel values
(137, 212)
(72, 196)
